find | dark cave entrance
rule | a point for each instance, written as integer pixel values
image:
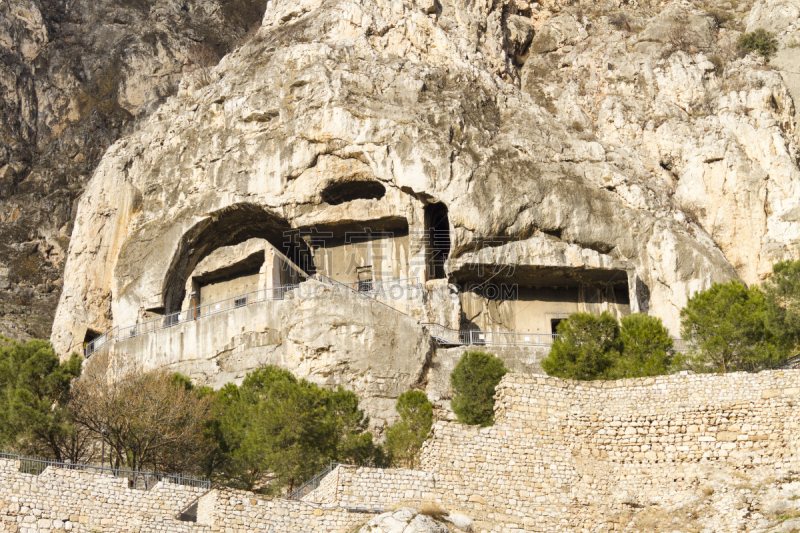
(437, 226)
(340, 193)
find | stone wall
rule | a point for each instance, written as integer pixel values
(61, 500)
(743, 418)
(571, 455)
(374, 488)
(234, 510)
(68, 500)
(327, 489)
(377, 487)
(562, 456)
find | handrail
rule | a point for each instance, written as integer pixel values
(186, 315)
(220, 306)
(364, 294)
(439, 333)
(136, 479)
(462, 337)
(312, 484)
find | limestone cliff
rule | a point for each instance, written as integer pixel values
(589, 125)
(74, 77)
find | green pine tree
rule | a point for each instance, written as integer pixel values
(473, 381)
(34, 392)
(587, 347)
(726, 326)
(404, 439)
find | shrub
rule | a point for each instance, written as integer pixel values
(760, 41)
(646, 348)
(586, 348)
(719, 65)
(404, 439)
(620, 21)
(721, 16)
(274, 431)
(681, 36)
(725, 325)
(473, 381)
(782, 292)
(593, 347)
(150, 420)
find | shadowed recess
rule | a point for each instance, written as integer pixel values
(226, 227)
(339, 193)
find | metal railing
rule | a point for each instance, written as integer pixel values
(205, 310)
(372, 295)
(136, 480)
(382, 286)
(448, 336)
(680, 345)
(187, 315)
(376, 289)
(793, 363)
(445, 335)
(312, 484)
(372, 291)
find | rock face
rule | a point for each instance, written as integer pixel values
(706, 134)
(658, 160)
(404, 520)
(74, 77)
(329, 339)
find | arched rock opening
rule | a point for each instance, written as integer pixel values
(229, 226)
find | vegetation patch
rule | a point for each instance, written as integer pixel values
(760, 41)
(473, 381)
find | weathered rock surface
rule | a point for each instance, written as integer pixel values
(326, 337)
(74, 77)
(649, 107)
(404, 520)
(709, 137)
(429, 102)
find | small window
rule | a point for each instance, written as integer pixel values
(240, 302)
(364, 278)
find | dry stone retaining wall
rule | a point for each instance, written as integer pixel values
(746, 419)
(326, 491)
(562, 456)
(567, 455)
(61, 500)
(65, 500)
(233, 510)
(377, 487)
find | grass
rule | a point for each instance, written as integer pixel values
(433, 510)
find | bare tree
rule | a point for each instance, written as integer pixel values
(147, 419)
(203, 56)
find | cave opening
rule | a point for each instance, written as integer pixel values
(536, 299)
(437, 226)
(90, 336)
(340, 193)
(363, 252)
(227, 227)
